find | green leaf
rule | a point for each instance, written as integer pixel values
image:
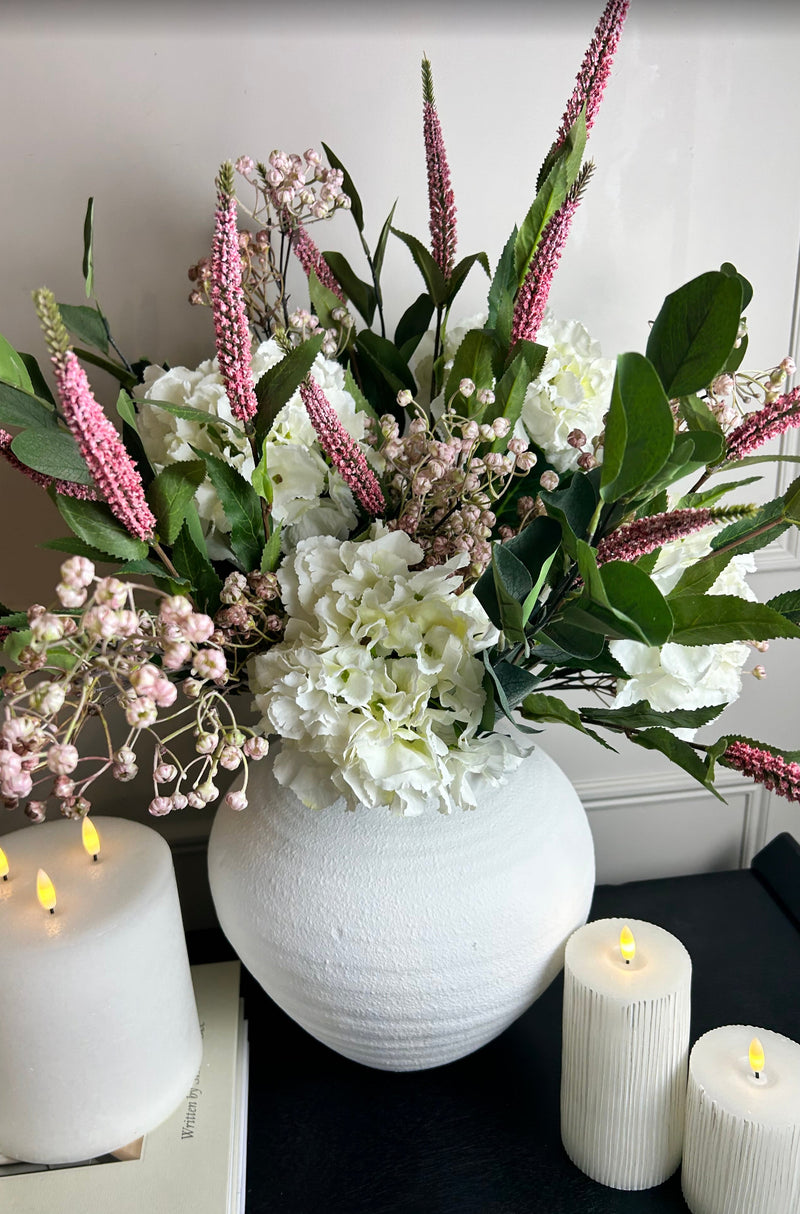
(715, 619)
(541, 707)
(473, 360)
(127, 410)
(462, 269)
(53, 453)
(512, 584)
(697, 415)
(278, 385)
(433, 276)
(362, 404)
(640, 430)
(635, 597)
(499, 694)
(414, 321)
(242, 507)
(361, 293)
(736, 356)
(94, 523)
(787, 604)
(38, 382)
(324, 301)
(754, 532)
(701, 576)
(386, 360)
(571, 642)
(678, 752)
(150, 568)
(502, 292)
(18, 408)
(88, 255)
(193, 564)
(76, 547)
(349, 188)
(551, 195)
(261, 480)
(509, 392)
(730, 271)
(15, 642)
(87, 325)
(14, 619)
(271, 556)
(380, 248)
(573, 507)
(105, 364)
(170, 492)
(694, 333)
(642, 716)
(791, 502)
(12, 368)
(516, 681)
(710, 497)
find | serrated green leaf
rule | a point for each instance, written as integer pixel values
(149, 568)
(550, 195)
(88, 255)
(12, 368)
(701, 576)
(787, 604)
(502, 292)
(678, 752)
(193, 564)
(380, 247)
(13, 619)
(86, 324)
(94, 523)
(434, 278)
(362, 404)
(694, 333)
(509, 392)
(754, 532)
(361, 293)
(53, 453)
(242, 507)
(18, 408)
(702, 619)
(462, 269)
(640, 430)
(709, 497)
(170, 492)
(348, 186)
(541, 707)
(472, 360)
(278, 385)
(386, 360)
(271, 556)
(76, 547)
(641, 716)
(414, 321)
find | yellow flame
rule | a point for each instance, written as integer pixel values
(627, 944)
(91, 839)
(756, 1056)
(3, 864)
(45, 890)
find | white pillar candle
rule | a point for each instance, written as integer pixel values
(626, 1046)
(99, 1037)
(741, 1152)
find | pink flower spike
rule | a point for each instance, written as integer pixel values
(342, 450)
(66, 488)
(311, 258)
(761, 765)
(231, 329)
(765, 424)
(593, 76)
(644, 535)
(441, 199)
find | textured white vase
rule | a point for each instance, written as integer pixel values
(405, 943)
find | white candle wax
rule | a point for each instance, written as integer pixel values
(626, 1045)
(99, 1037)
(741, 1152)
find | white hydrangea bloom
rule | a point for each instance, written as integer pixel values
(309, 497)
(421, 361)
(686, 676)
(376, 689)
(571, 392)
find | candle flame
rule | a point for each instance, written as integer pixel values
(3, 865)
(45, 890)
(756, 1056)
(627, 944)
(91, 839)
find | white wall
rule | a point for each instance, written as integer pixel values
(696, 163)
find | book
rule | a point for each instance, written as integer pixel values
(195, 1160)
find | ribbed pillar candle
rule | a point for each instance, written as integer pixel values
(741, 1152)
(626, 1046)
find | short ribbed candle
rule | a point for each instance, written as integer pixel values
(626, 1046)
(741, 1152)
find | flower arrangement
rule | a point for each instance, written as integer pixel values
(391, 541)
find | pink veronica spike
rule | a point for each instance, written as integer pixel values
(440, 193)
(765, 424)
(773, 771)
(311, 258)
(66, 488)
(593, 76)
(342, 450)
(231, 328)
(644, 535)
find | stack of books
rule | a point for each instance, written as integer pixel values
(195, 1160)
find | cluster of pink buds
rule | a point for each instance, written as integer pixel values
(731, 396)
(443, 489)
(251, 614)
(304, 324)
(96, 657)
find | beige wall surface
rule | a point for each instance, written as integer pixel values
(695, 147)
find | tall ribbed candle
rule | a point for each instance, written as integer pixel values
(741, 1152)
(626, 1046)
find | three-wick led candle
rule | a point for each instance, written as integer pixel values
(741, 1152)
(626, 1046)
(99, 1037)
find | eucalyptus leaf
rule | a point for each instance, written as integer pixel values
(53, 453)
(695, 331)
(512, 584)
(94, 523)
(640, 430)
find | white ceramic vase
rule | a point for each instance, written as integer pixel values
(405, 943)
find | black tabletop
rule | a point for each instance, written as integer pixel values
(481, 1135)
